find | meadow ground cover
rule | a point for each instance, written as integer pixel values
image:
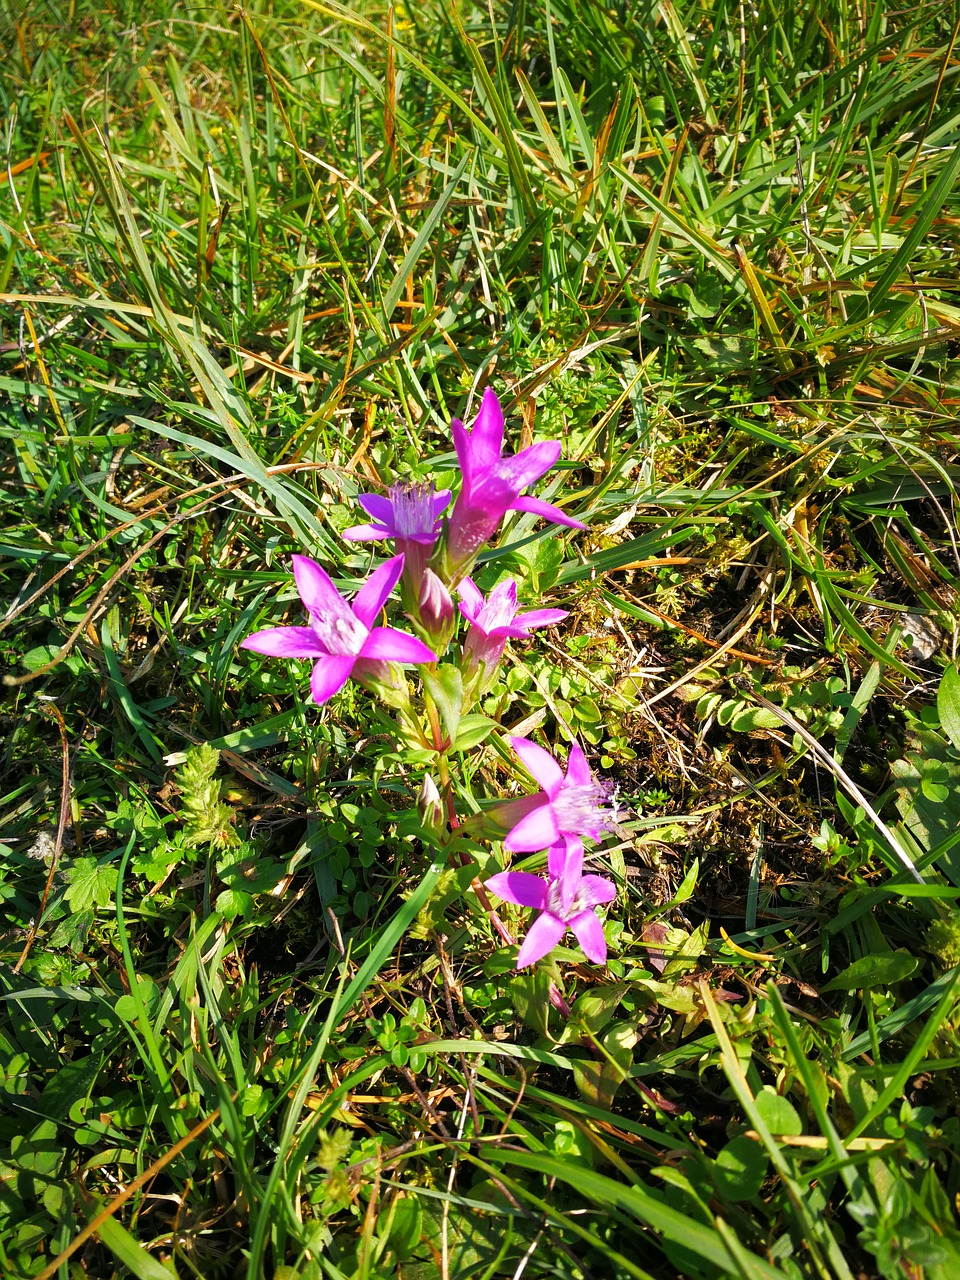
(622, 941)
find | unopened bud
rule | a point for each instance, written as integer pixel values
(435, 607)
(430, 807)
(436, 604)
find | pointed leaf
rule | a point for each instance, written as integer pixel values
(948, 704)
(445, 687)
(878, 970)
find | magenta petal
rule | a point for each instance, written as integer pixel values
(589, 933)
(571, 845)
(512, 632)
(570, 877)
(501, 607)
(380, 508)
(365, 533)
(596, 890)
(540, 764)
(547, 510)
(441, 501)
(284, 642)
(479, 647)
(527, 467)
(471, 597)
(540, 618)
(317, 591)
(519, 887)
(542, 936)
(557, 859)
(329, 676)
(578, 771)
(486, 438)
(537, 830)
(390, 645)
(461, 442)
(489, 492)
(368, 601)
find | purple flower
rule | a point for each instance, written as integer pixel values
(411, 516)
(492, 483)
(496, 620)
(340, 635)
(567, 808)
(566, 900)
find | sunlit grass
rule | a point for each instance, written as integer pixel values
(251, 264)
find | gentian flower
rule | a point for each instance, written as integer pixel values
(492, 484)
(411, 517)
(566, 900)
(567, 808)
(339, 635)
(496, 620)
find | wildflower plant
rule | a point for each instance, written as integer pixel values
(436, 546)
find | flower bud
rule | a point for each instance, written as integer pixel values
(430, 808)
(435, 607)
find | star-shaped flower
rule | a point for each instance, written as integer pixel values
(411, 517)
(565, 900)
(492, 484)
(568, 807)
(496, 620)
(340, 635)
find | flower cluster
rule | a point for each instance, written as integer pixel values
(567, 808)
(434, 554)
(433, 557)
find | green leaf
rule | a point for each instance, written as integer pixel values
(128, 1007)
(473, 730)
(251, 1099)
(543, 558)
(569, 1142)
(530, 994)
(948, 704)
(406, 1227)
(90, 884)
(44, 653)
(751, 718)
(72, 930)
(599, 1079)
(445, 687)
(778, 1114)
(740, 1168)
(686, 954)
(234, 902)
(242, 870)
(875, 970)
(689, 882)
(71, 1083)
(671, 995)
(592, 1010)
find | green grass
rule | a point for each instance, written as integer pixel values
(251, 264)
